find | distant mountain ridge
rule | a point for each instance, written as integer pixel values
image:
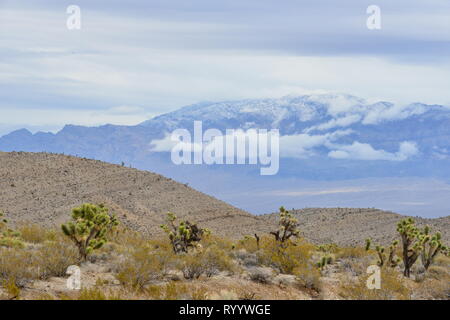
(329, 137)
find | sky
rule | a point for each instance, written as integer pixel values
(132, 60)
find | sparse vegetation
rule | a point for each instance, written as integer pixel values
(8, 237)
(432, 245)
(89, 228)
(385, 258)
(183, 236)
(288, 227)
(194, 264)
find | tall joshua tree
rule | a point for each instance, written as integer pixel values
(432, 245)
(89, 227)
(288, 227)
(411, 244)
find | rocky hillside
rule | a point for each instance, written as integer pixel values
(351, 226)
(42, 188)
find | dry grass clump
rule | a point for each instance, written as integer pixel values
(393, 287)
(351, 252)
(176, 291)
(33, 233)
(284, 259)
(142, 266)
(209, 262)
(16, 264)
(51, 259)
(293, 258)
(9, 238)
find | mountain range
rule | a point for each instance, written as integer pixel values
(336, 149)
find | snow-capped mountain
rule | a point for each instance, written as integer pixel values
(340, 121)
(329, 137)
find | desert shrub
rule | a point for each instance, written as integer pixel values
(9, 238)
(53, 258)
(248, 244)
(439, 273)
(260, 275)
(192, 267)
(328, 248)
(89, 228)
(15, 264)
(94, 293)
(246, 258)
(11, 289)
(11, 242)
(350, 252)
(175, 291)
(355, 266)
(224, 244)
(91, 294)
(208, 261)
(308, 276)
(34, 233)
(142, 266)
(284, 259)
(392, 288)
(433, 289)
(442, 260)
(224, 295)
(127, 238)
(216, 260)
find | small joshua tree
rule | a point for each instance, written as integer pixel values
(288, 227)
(412, 243)
(89, 227)
(183, 236)
(432, 245)
(384, 259)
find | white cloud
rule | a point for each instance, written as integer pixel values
(382, 112)
(364, 151)
(303, 145)
(120, 59)
(344, 121)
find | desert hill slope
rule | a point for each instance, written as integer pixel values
(42, 188)
(351, 226)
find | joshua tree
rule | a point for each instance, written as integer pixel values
(391, 259)
(412, 243)
(432, 245)
(183, 236)
(89, 227)
(288, 227)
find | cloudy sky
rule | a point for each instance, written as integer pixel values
(132, 60)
